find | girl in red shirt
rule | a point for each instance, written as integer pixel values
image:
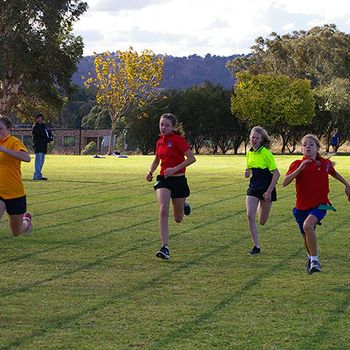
(174, 155)
(312, 188)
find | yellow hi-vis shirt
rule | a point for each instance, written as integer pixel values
(11, 185)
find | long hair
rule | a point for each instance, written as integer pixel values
(6, 121)
(177, 127)
(266, 139)
(315, 139)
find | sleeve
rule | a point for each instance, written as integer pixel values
(331, 168)
(17, 145)
(270, 160)
(294, 166)
(157, 149)
(182, 145)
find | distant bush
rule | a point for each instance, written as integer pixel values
(90, 148)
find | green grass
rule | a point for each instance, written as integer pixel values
(87, 277)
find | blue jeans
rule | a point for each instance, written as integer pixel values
(39, 162)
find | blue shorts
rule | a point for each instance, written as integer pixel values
(301, 215)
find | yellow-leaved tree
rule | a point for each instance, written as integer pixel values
(125, 81)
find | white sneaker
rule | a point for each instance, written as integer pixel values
(28, 217)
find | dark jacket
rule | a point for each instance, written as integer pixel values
(41, 137)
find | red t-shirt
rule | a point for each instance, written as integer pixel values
(171, 149)
(312, 185)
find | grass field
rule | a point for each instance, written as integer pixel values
(87, 277)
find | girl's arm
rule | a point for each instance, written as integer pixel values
(290, 177)
(275, 176)
(20, 155)
(338, 177)
(190, 159)
(154, 166)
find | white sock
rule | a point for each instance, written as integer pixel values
(314, 258)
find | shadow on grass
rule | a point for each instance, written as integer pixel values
(64, 321)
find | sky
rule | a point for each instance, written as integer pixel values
(187, 27)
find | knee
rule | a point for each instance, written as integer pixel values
(308, 228)
(178, 218)
(16, 232)
(250, 217)
(262, 221)
(163, 211)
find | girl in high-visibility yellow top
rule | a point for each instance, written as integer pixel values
(12, 195)
(261, 192)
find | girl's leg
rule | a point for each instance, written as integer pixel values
(163, 195)
(310, 235)
(2, 208)
(264, 209)
(252, 205)
(18, 225)
(178, 207)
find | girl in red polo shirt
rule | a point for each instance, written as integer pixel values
(174, 155)
(12, 195)
(312, 188)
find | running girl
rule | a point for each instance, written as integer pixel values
(175, 155)
(312, 188)
(261, 192)
(12, 195)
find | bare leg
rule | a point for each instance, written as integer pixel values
(163, 195)
(178, 207)
(264, 209)
(252, 205)
(2, 208)
(18, 225)
(310, 235)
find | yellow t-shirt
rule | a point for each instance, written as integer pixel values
(11, 185)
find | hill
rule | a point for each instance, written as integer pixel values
(179, 72)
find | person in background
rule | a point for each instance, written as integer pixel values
(312, 187)
(12, 195)
(263, 173)
(335, 140)
(41, 137)
(174, 154)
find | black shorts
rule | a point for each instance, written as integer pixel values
(258, 193)
(15, 206)
(176, 184)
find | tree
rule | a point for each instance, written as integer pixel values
(97, 118)
(319, 55)
(38, 52)
(273, 101)
(334, 99)
(125, 82)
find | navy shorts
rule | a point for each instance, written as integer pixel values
(176, 184)
(301, 215)
(15, 206)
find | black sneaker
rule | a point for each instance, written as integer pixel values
(163, 253)
(187, 209)
(315, 267)
(254, 250)
(307, 265)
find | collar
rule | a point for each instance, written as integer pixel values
(5, 138)
(258, 150)
(165, 137)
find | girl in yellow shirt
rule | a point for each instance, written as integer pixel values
(12, 195)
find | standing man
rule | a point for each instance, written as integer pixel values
(41, 137)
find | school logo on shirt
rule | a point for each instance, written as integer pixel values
(170, 144)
